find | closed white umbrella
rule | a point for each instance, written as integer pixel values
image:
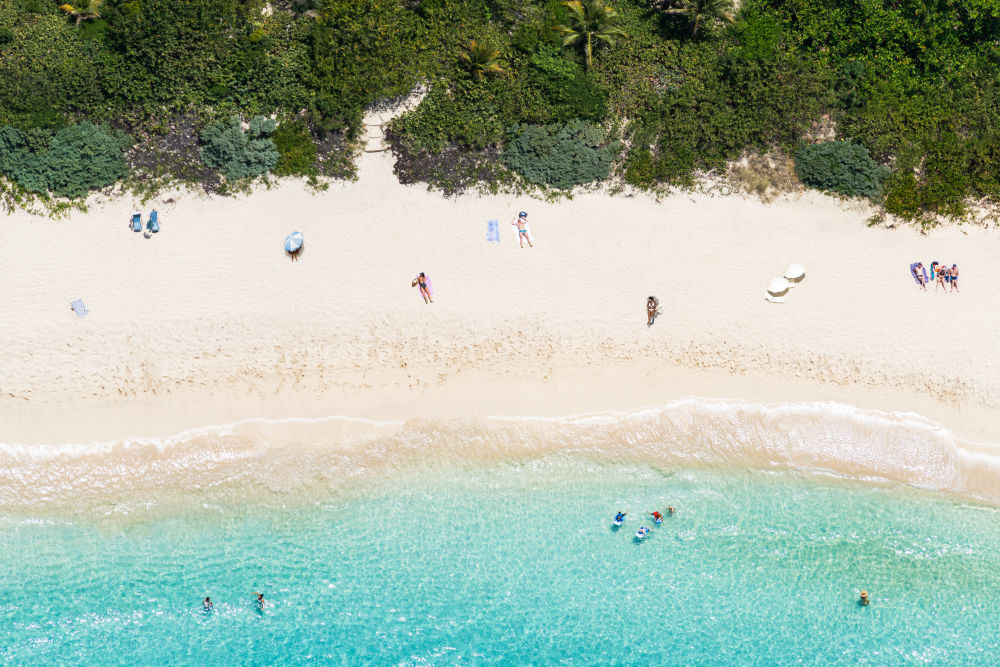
(795, 273)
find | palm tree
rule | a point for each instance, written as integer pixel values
(480, 59)
(83, 9)
(700, 12)
(590, 20)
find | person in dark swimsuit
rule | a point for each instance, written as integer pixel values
(953, 273)
(421, 282)
(206, 606)
(521, 222)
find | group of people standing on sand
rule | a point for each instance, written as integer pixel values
(941, 275)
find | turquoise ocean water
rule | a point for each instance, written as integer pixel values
(517, 563)
(489, 541)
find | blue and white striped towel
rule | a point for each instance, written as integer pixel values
(492, 231)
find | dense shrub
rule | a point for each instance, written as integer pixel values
(76, 160)
(566, 89)
(361, 51)
(238, 153)
(296, 150)
(560, 156)
(840, 166)
(46, 71)
(639, 168)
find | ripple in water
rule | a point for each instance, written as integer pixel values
(517, 562)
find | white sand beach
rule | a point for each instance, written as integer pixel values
(210, 322)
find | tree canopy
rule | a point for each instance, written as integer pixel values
(685, 86)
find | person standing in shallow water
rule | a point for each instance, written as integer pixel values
(206, 606)
(652, 310)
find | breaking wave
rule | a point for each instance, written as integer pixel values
(285, 461)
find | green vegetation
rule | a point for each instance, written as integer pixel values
(698, 13)
(840, 166)
(240, 153)
(589, 20)
(69, 163)
(296, 150)
(524, 86)
(480, 59)
(560, 156)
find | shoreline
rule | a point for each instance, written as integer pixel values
(616, 389)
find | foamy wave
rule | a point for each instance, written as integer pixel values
(268, 460)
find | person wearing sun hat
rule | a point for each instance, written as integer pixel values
(521, 222)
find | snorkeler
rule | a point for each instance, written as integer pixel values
(207, 604)
(642, 532)
(864, 599)
(620, 518)
(657, 517)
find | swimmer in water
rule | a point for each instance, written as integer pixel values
(657, 516)
(864, 599)
(259, 601)
(671, 510)
(620, 517)
(642, 532)
(207, 604)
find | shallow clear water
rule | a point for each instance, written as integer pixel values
(518, 563)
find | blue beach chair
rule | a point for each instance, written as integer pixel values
(154, 223)
(136, 222)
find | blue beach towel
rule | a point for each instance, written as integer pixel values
(492, 231)
(79, 308)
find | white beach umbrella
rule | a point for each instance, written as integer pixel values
(795, 273)
(776, 290)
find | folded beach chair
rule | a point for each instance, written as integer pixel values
(136, 222)
(79, 308)
(154, 223)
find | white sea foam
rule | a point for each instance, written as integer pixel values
(261, 460)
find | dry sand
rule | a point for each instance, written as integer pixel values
(209, 321)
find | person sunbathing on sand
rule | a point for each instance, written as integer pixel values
(421, 282)
(920, 273)
(521, 222)
(652, 310)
